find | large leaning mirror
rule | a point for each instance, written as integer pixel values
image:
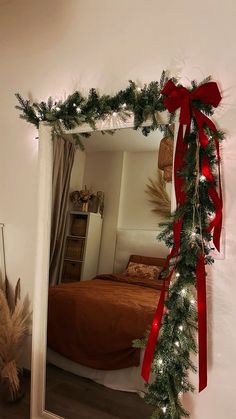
(101, 226)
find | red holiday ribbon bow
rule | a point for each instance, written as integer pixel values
(180, 97)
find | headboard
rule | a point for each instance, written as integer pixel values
(137, 242)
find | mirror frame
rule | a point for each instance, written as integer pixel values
(40, 301)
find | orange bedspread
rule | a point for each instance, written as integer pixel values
(94, 322)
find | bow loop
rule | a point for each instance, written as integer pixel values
(207, 93)
(180, 97)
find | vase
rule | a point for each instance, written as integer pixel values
(7, 395)
(85, 206)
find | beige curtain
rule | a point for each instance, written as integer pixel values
(63, 158)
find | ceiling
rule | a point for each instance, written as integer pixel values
(126, 139)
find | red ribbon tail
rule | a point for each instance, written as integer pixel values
(202, 321)
(152, 338)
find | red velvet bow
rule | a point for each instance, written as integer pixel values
(209, 94)
(180, 97)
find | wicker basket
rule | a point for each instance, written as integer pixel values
(165, 156)
(79, 225)
(71, 271)
(74, 248)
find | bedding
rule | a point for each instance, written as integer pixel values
(95, 322)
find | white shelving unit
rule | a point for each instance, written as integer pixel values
(82, 247)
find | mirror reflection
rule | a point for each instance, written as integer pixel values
(105, 260)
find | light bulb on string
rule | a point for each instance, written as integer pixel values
(192, 301)
(183, 291)
(177, 343)
(202, 178)
(74, 104)
(181, 327)
(164, 409)
(58, 108)
(177, 274)
(139, 89)
(124, 105)
(114, 113)
(78, 109)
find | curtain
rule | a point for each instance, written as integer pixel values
(63, 158)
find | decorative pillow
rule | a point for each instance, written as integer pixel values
(140, 270)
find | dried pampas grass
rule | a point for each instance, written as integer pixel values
(14, 325)
(156, 189)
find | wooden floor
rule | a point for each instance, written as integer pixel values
(74, 397)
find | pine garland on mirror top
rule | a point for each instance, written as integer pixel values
(193, 228)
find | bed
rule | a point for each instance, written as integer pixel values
(92, 324)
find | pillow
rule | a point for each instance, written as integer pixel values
(140, 270)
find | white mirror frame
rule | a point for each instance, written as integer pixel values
(40, 303)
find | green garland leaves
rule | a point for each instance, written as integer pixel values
(76, 110)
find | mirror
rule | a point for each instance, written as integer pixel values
(104, 284)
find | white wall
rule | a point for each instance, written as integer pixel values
(54, 46)
(103, 172)
(77, 173)
(135, 208)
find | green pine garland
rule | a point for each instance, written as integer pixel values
(176, 342)
(77, 110)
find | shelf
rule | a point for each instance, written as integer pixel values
(74, 260)
(71, 236)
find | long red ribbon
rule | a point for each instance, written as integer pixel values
(202, 321)
(180, 97)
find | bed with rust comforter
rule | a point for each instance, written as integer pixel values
(94, 322)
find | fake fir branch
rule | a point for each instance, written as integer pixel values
(76, 110)
(176, 342)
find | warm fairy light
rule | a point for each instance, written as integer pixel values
(192, 301)
(114, 113)
(164, 409)
(181, 327)
(183, 291)
(202, 178)
(177, 343)
(160, 361)
(58, 108)
(177, 275)
(193, 234)
(124, 105)
(139, 89)
(78, 109)
(74, 104)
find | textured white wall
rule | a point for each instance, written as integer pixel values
(53, 47)
(135, 208)
(103, 172)
(77, 173)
